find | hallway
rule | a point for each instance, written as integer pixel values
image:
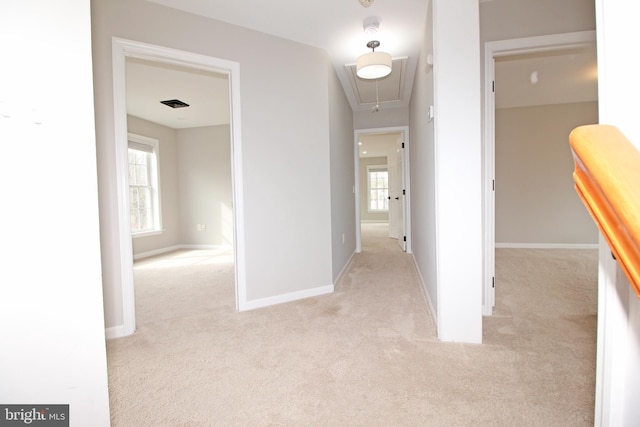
(365, 355)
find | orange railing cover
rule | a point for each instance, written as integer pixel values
(607, 178)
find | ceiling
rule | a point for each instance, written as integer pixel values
(543, 78)
(336, 26)
(378, 144)
(206, 93)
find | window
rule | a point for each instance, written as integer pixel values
(144, 189)
(378, 181)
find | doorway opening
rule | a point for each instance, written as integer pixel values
(231, 210)
(382, 183)
(526, 48)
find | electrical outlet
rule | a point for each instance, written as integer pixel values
(201, 227)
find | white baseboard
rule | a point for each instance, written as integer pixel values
(114, 332)
(208, 247)
(177, 247)
(118, 331)
(155, 252)
(346, 267)
(546, 246)
(427, 298)
(279, 299)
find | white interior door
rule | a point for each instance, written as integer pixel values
(396, 197)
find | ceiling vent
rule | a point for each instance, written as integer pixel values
(175, 103)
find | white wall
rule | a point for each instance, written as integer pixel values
(458, 173)
(422, 167)
(204, 170)
(386, 117)
(536, 203)
(446, 170)
(618, 372)
(512, 19)
(343, 213)
(51, 324)
(168, 169)
(285, 147)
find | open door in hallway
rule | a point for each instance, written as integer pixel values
(383, 199)
(396, 196)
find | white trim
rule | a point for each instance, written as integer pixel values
(492, 50)
(406, 167)
(147, 233)
(220, 248)
(546, 43)
(380, 168)
(134, 137)
(114, 332)
(423, 288)
(356, 189)
(156, 185)
(124, 242)
(344, 269)
(546, 246)
(374, 221)
(612, 347)
(160, 251)
(280, 299)
(618, 326)
(155, 252)
(121, 49)
(406, 181)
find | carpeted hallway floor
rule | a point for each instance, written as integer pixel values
(366, 355)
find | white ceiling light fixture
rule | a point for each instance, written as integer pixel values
(373, 65)
(365, 3)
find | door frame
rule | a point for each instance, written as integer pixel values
(121, 49)
(396, 163)
(406, 181)
(494, 50)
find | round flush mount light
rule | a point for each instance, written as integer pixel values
(365, 3)
(373, 65)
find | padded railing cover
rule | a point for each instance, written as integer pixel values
(607, 178)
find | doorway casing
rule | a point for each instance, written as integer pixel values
(404, 131)
(121, 49)
(493, 50)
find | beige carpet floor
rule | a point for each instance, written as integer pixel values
(366, 355)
